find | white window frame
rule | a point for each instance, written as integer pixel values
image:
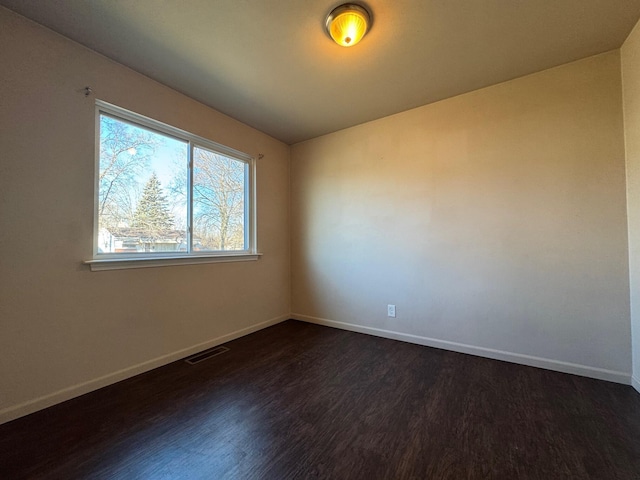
(116, 261)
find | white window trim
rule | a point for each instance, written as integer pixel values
(117, 261)
(164, 261)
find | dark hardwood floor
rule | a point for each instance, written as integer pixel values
(300, 401)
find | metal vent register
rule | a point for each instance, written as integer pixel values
(205, 354)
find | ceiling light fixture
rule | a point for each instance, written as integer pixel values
(348, 23)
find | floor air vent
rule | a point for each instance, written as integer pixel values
(205, 354)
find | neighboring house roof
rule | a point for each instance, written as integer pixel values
(166, 236)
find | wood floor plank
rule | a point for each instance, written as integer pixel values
(301, 401)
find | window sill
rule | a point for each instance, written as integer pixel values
(99, 264)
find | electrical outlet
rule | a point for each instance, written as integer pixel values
(391, 311)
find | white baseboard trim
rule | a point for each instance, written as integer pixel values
(30, 406)
(546, 363)
(635, 383)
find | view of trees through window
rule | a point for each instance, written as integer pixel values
(146, 191)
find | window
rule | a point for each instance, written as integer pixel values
(166, 195)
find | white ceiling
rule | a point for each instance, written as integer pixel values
(269, 63)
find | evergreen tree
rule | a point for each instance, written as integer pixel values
(152, 217)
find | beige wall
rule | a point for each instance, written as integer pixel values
(60, 324)
(495, 221)
(631, 89)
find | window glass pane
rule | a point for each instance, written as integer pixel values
(218, 201)
(142, 199)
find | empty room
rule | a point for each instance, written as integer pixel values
(270, 239)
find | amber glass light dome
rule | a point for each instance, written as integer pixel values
(348, 23)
